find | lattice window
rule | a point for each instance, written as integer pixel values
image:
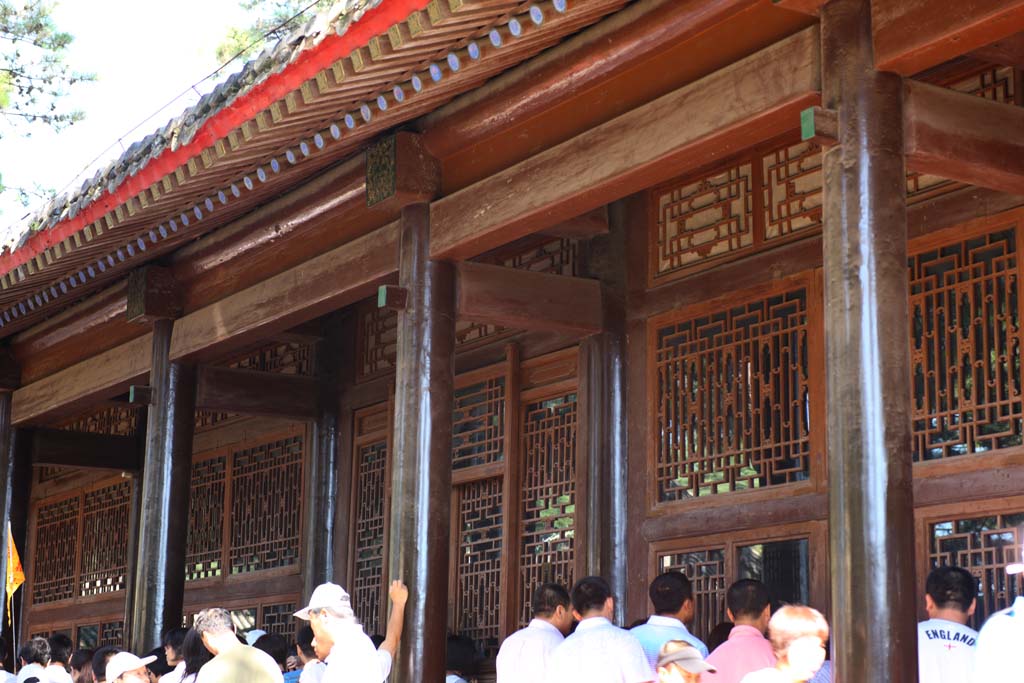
(377, 342)
(732, 401)
(206, 519)
(278, 619)
(548, 495)
(370, 501)
(792, 190)
(707, 570)
(965, 347)
(983, 546)
(478, 423)
(105, 539)
(115, 420)
(266, 506)
(56, 545)
(112, 633)
(478, 564)
(703, 219)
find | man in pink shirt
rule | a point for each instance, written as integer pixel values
(749, 606)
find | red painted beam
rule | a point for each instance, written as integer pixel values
(914, 35)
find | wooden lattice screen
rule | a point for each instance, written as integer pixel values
(732, 400)
(370, 501)
(707, 572)
(768, 196)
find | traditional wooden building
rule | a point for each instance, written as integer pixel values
(479, 293)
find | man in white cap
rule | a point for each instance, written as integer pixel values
(339, 639)
(124, 667)
(232, 661)
(997, 657)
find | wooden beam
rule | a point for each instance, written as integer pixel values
(913, 36)
(85, 450)
(102, 376)
(811, 7)
(585, 226)
(153, 294)
(962, 137)
(400, 171)
(1008, 51)
(10, 370)
(523, 299)
(325, 283)
(722, 113)
(257, 393)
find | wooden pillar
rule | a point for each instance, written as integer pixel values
(421, 465)
(163, 523)
(321, 486)
(867, 359)
(134, 517)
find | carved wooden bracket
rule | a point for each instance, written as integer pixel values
(819, 125)
(153, 294)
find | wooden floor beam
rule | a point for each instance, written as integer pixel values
(85, 450)
(910, 37)
(254, 392)
(962, 137)
(745, 103)
(522, 299)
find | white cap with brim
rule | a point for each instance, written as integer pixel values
(253, 635)
(125, 661)
(327, 596)
(688, 659)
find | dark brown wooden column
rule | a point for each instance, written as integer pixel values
(421, 464)
(321, 486)
(163, 522)
(867, 359)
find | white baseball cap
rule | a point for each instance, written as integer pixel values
(1016, 567)
(327, 596)
(688, 659)
(125, 661)
(252, 635)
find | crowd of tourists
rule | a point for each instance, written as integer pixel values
(571, 637)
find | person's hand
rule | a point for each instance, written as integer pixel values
(292, 663)
(398, 592)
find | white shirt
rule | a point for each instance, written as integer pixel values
(353, 658)
(312, 672)
(599, 652)
(945, 651)
(56, 673)
(7, 676)
(523, 657)
(997, 657)
(454, 678)
(174, 676)
(30, 671)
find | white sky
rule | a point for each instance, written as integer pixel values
(143, 53)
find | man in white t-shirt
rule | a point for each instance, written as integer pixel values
(523, 657)
(598, 651)
(945, 644)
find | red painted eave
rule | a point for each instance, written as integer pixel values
(245, 107)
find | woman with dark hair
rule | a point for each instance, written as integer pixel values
(81, 666)
(195, 655)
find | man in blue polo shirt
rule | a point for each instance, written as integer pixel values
(672, 596)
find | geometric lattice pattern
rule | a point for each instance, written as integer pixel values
(112, 633)
(478, 592)
(377, 341)
(56, 551)
(266, 506)
(703, 219)
(965, 347)
(369, 489)
(279, 619)
(792, 189)
(204, 555)
(105, 539)
(478, 423)
(548, 495)
(706, 570)
(983, 546)
(732, 400)
(115, 420)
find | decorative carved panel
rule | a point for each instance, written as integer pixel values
(792, 190)
(112, 633)
(732, 398)
(279, 619)
(114, 420)
(548, 495)
(478, 563)
(377, 342)
(965, 347)
(105, 539)
(478, 423)
(371, 455)
(266, 506)
(56, 546)
(704, 218)
(983, 546)
(206, 519)
(707, 570)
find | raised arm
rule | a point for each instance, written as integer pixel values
(399, 594)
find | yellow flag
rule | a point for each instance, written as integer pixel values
(15, 573)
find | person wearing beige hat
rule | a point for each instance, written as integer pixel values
(680, 662)
(124, 667)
